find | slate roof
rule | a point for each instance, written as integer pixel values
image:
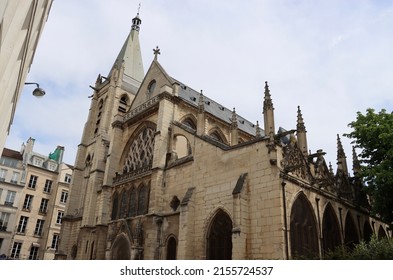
(192, 97)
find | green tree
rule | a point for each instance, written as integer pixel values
(372, 133)
(375, 249)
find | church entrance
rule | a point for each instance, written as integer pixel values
(121, 249)
(219, 239)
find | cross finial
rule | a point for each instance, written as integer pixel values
(156, 52)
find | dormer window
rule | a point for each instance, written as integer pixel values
(37, 161)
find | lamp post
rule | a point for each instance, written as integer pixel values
(37, 92)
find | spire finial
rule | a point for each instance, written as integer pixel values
(355, 162)
(201, 103)
(300, 122)
(234, 118)
(267, 103)
(136, 21)
(341, 158)
(156, 52)
(258, 130)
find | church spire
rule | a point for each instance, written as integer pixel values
(341, 158)
(268, 112)
(130, 56)
(301, 132)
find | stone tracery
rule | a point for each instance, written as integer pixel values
(141, 151)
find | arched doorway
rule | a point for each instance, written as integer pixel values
(121, 249)
(171, 248)
(330, 230)
(351, 235)
(367, 231)
(303, 229)
(219, 237)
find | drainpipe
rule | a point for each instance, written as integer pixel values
(285, 219)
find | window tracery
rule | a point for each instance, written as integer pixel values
(141, 151)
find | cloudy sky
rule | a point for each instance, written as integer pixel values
(332, 58)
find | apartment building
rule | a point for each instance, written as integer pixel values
(40, 207)
(12, 180)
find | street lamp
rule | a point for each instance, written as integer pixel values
(37, 92)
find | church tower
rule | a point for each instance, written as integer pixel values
(85, 222)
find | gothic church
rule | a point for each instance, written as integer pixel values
(165, 172)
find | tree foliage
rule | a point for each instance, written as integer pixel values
(375, 249)
(372, 133)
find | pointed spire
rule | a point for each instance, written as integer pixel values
(355, 162)
(267, 103)
(268, 113)
(331, 168)
(201, 103)
(258, 130)
(341, 157)
(234, 119)
(130, 56)
(300, 122)
(234, 131)
(301, 133)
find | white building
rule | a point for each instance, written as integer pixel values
(21, 24)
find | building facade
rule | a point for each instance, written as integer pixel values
(12, 181)
(164, 172)
(35, 216)
(21, 24)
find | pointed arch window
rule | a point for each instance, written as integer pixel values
(351, 235)
(330, 229)
(137, 201)
(141, 150)
(123, 205)
(367, 231)
(303, 229)
(115, 206)
(123, 103)
(132, 203)
(216, 136)
(189, 123)
(142, 200)
(219, 239)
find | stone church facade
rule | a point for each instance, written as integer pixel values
(164, 172)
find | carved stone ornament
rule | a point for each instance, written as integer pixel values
(295, 163)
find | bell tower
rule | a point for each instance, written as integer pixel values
(87, 214)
